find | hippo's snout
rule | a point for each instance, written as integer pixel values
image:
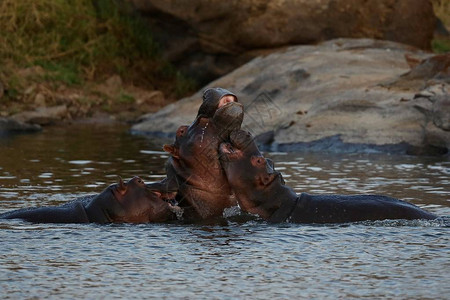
(231, 109)
(241, 139)
(230, 113)
(228, 118)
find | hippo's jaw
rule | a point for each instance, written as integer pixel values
(252, 177)
(228, 153)
(230, 109)
(214, 98)
(228, 118)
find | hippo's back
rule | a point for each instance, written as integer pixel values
(352, 208)
(73, 212)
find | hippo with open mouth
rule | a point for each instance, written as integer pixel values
(130, 202)
(260, 190)
(194, 170)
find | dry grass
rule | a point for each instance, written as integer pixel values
(442, 11)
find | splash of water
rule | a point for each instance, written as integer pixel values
(203, 133)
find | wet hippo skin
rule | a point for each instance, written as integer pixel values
(260, 190)
(130, 202)
(194, 170)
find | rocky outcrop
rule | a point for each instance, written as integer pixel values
(42, 115)
(210, 38)
(342, 95)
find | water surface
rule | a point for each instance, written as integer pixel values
(234, 260)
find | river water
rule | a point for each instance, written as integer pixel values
(242, 258)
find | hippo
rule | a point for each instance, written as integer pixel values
(194, 170)
(130, 202)
(261, 190)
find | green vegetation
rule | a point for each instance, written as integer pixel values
(70, 42)
(440, 45)
(125, 98)
(66, 72)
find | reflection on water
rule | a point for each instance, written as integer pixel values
(238, 259)
(47, 168)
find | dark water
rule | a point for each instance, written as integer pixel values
(237, 260)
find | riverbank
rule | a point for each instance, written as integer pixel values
(67, 61)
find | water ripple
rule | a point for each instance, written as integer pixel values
(243, 257)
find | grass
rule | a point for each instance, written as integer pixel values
(66, 72)
(441, 45)
(125, 98)
(74, 41)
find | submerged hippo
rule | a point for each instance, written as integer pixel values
(260, 190)
(130, 202)
(194, 170)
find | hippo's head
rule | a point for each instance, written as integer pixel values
(139, 204)
(195, 157)
(214, 98)
(195, 150)
(252, 177)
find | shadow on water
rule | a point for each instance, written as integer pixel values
(239, 258)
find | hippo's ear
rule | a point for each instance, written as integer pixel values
(121, 187)
(172, 150)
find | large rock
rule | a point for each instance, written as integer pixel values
(209, 38)
(342, 95)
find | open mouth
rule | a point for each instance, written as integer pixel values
(226, 100)
(171, 202)
(229, 153)
(170, 198)
(226, 148)
(278, 177)
(228, 103)
(231, 108)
